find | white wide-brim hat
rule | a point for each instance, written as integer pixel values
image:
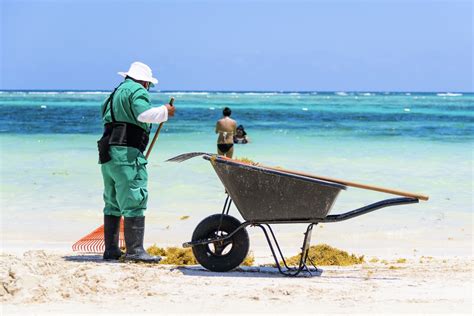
(139, 71)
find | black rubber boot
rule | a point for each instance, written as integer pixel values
(134, 231)
(111, 237)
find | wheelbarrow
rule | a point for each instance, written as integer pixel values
(265, 196)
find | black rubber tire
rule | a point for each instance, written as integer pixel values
(240, 243)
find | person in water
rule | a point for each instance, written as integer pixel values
(240, 136)
(226, 128)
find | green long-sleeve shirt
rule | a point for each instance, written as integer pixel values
(130, 100)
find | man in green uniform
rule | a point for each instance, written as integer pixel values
(127, 114)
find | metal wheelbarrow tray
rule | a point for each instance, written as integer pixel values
(265, 196)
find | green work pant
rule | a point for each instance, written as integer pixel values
(125, 182)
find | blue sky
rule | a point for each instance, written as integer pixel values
(417, 45)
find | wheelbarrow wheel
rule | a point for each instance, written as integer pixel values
(224, 255)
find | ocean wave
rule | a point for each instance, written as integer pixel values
(341, 93)
(449, 94)
(13, 92)
(187, 93)
(263, 93)
(42, 92)
(86, 92)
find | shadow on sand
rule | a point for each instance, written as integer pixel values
(88, 258)
(195, 270)
(240, 272)
(249, 272)
(270, 272)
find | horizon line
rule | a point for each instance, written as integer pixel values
(242, 91)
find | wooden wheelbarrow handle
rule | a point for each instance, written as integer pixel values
(355, 184)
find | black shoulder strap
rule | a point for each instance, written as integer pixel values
(105, 106)
(112, 105)
(110, 101)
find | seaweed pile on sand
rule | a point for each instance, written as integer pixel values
(325, 255)
(173, 255)
(184, 256)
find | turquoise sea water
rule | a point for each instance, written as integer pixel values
(422, 142)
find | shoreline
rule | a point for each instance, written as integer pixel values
(447, 237)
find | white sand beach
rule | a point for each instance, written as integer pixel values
(48, 282)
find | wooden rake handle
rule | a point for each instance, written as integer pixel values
(156, 134)
(355, 184)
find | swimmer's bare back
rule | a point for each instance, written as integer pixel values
(226, 127)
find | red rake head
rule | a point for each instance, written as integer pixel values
(94, 242)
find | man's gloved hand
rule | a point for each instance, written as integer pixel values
(170, 109)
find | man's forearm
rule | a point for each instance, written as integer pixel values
(154, 115)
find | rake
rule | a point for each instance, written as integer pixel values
(94, 241)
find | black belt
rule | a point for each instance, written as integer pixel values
(121, 134)
(126, 134)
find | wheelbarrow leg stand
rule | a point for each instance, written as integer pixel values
(289, 271)
(306, 248)
(277, 246)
